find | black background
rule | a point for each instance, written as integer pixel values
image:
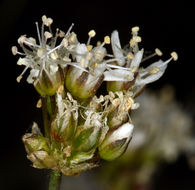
(167, 25)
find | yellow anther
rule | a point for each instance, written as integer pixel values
(61, 34)
(95, 64)
(137, 39)
(135, 29)
(89, 47)
(39, 103)
(61, 89)
(174, 56)
(128, 104)
(154, 70)
(130, 55)
(158, 52)
(107, 40)
(14, 50)
(19, 78)
(21, 39)
(47, 35)
(92, 33)
(47, 21)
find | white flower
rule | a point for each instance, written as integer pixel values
(128, 62)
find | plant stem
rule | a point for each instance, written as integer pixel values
(45, 117)
(54, 181)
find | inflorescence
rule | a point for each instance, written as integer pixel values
(83, 127)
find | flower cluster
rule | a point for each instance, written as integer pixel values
(83, 127)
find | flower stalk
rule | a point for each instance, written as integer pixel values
(55, 179)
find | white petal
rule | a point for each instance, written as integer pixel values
(161, 65)
(150, 78)
(116, 48)
(124, 131)
(118, 75)
(33, 74)
(137, 59)
(22, 61)
(80, 51)
(53, 69)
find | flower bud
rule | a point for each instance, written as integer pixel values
(34, 142)
(49, 82)
(86, 139)
(63, 128)
(81, 84)
(38, 151)
(116, 142)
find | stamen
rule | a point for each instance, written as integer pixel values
(68, 32)
(14, 50)
(89, 47)
(52, 50)
(47, 21)
(135, 30)
(174, 56)
(157, 52)
(21, 75)
(91, 34)
(47, 35)
(130, 56)
(38, 33)
(31, 44)
(107, 40)
(21, 39)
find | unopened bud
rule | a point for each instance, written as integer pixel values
(81, 84)
(63, 128)
(49, 82)
(87, 139)
(116, 142)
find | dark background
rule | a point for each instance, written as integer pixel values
(167, 25)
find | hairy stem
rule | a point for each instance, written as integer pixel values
(54, 181)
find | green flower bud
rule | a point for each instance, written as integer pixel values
(63, 128)
(116, 142)
(34, 142)
(38, 151)
(64, 125)
(81, 84)
(86, 139)
(49, 81)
